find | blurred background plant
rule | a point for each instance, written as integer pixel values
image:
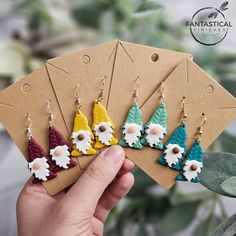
(34, 31)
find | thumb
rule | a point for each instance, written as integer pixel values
(86, 192)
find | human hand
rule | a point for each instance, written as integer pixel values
(84, 208)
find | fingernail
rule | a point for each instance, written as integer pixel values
(114, 154)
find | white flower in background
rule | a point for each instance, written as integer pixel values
(61, 156)
(132, 132)
(155, 133)
(173, 153)
(103, 131)
(191, 169)
(82, 140)
(39, 167)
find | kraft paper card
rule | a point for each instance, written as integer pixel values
(121, 62)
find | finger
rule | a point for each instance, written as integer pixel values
(113, 194)
(127, 166)
(97, 226)
(32, 188)
(95, 179)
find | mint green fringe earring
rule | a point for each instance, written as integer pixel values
(156, 128)
(132, 128)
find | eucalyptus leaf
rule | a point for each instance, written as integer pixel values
(178, 197)
(229, 186)
(89, 14)
(230, 85)
(35, 10)
(148, 6)
(226, 57)
(142, 231)
(217, 168)
(226, 228)
(179, 217)
(207, 226)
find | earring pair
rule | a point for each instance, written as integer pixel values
(175, 150)
(135, 134)
(42, 165)
(84, 139)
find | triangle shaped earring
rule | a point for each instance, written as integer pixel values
(175, 147)
(156, 128)
(103, 127)
(192, 165)
(59, 149)
(82, 136)
(39, 162)
(133, 125)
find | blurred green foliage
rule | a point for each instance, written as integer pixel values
(53, 27)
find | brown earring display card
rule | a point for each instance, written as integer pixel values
(121, 63)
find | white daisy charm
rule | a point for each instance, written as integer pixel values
(40, 168)
(192, 169)
(132, 133)
(82, 140)
(61, 156)
(155, 133)
(103, 131)
(173, 153)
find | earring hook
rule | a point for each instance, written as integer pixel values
(102, 95)
(184, 116)
(199, 133)
(136, 92)
(29, 126)
(204, 120)
(162, 92)
(78, 102)
(51, 117)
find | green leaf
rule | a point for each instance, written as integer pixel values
(229, 84)
(35, 10)
(228, 141)
(206, 227)
(226, 57)
(226, 228)
(179, 217)
(229, 186)
(142, 231)
(147, 7)
(179, 198)
(88, 14)
(217, 167)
